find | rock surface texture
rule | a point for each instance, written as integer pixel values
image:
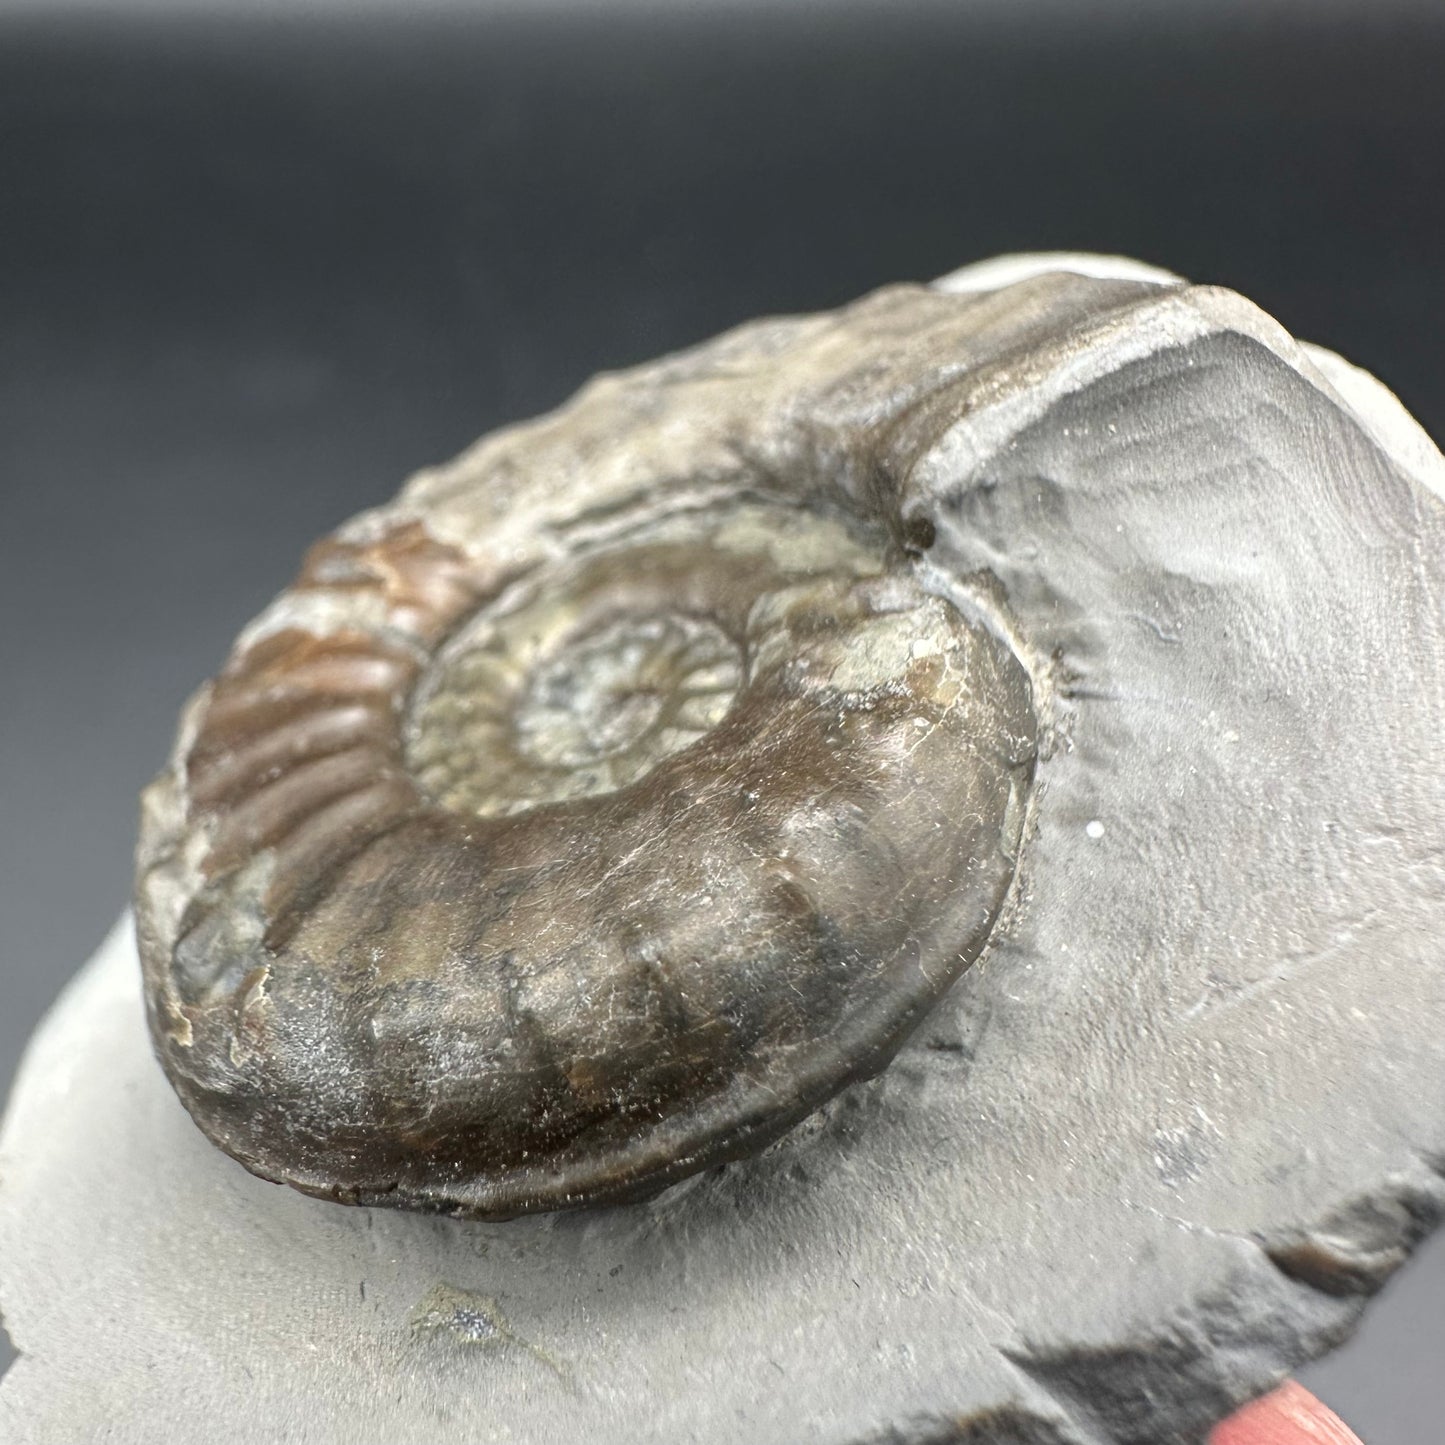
(1156, 1148)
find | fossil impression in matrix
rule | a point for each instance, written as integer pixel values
(602, 806)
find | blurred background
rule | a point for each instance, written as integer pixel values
(259, 262)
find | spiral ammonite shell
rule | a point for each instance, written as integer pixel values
(605, 804)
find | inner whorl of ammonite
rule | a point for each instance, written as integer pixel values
(580, 683)
(503, 728)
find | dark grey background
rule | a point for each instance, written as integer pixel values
(253, 273)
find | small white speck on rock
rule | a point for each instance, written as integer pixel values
(1094, 828)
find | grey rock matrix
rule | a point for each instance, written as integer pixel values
(1157, 1148)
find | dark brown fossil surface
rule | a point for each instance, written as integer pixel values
(600, 808)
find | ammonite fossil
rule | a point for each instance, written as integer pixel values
(602, 806)
(634, 781)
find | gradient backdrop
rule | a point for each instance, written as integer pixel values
(253, 273)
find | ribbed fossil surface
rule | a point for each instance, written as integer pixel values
(597, 810)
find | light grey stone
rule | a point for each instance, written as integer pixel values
(1156, 1149)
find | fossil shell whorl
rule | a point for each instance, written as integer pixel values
(601, 807)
